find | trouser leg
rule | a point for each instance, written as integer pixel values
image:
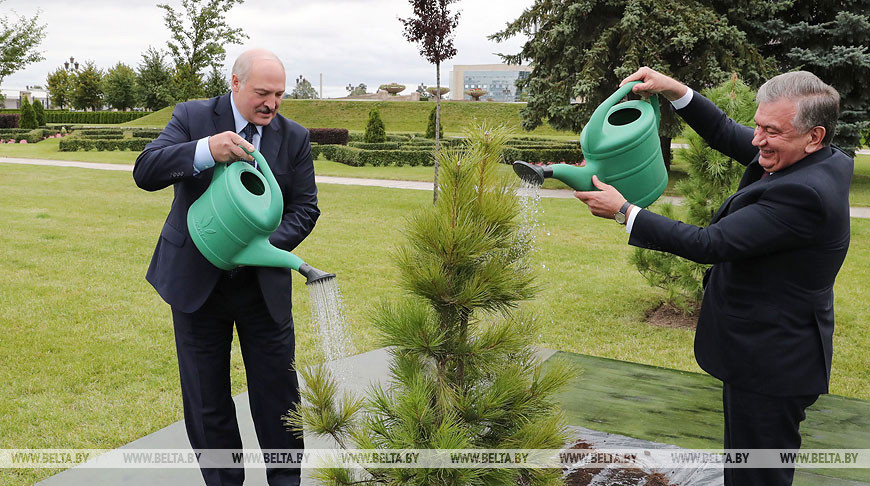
(268, 351)
(756, 421)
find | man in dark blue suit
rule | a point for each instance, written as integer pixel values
(767, 318)
(206, 301)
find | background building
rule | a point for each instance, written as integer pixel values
(14, 95)
(499, 80)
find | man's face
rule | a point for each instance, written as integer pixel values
(778, 141)
(258, 98)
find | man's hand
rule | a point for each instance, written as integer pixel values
(603, 203)
(653, 82)
(224, 147)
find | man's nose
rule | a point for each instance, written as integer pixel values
(758, 138)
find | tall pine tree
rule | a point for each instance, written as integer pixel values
(463, 372)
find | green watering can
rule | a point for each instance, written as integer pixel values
(231, 222)
(621, 146)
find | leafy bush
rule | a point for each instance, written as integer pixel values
(329, 136)
(375, 131)
(9, 120)
(72, 144)
(28, 116)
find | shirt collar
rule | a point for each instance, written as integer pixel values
(240, 121)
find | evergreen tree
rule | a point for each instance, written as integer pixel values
(39, 112)
(463, 372)
(119, 87)
(28, 117)
(216, 84)
(713, 177)
(60, 86)
(829, 38)
(375, 131)
(87, 89)
(582, 49)
(430, 127)
(154, 81)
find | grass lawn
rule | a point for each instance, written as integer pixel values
(87, 354)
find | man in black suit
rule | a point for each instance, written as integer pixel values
(206, 301)
(767, 318)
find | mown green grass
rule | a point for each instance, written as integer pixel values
(87, 353)
(398, 116)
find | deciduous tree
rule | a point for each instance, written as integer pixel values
(119, 87)
(19, 41)
(60, 86)
(431, 27)
(154, 81)
(88, 88)
(198, 35)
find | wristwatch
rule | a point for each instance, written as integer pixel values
(621, 214)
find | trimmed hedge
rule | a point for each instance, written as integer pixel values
(374, 146)
(98, 136)
(535, 155)
(9, 120)
(358, 157)
(90, 132)
(151, 133)
(32, 136)
(63, 116)
(329, 136)
(72, 144)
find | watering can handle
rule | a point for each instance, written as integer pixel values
(596, 122)
(276, 204)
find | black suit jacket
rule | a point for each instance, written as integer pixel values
(767, 318)
(178, 271)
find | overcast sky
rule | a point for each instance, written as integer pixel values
(348, 41)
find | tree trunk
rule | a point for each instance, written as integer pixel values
(437, 126)
(666, 152)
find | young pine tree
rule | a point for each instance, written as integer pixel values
(713, 177)
(375, 131)
(28, 116)
(463, 372)
(39, 111)
(430, 128)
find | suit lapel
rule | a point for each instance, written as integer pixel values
(270, 142)
(223, 115)
(751, 174)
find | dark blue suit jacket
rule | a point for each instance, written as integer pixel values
(776, 245)
(181, 275)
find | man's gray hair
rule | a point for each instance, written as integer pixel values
(242, 66)
(818, 105)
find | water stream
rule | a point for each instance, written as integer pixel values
(330, 323)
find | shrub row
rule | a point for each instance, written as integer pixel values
(99, 131)
(544, 144)
(9, 120)
(374, 146)
(150, 133)
(97, 136)
(71, 144)
(329, 136)
(62, 116)
(32, 136)
(534, 155)
(391, 137)
(358, 157)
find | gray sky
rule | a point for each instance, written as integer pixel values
(349, 41)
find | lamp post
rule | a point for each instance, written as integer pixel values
(72, 65)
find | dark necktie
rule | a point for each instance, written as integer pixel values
(248, 132)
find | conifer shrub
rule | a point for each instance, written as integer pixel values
(430, 128)
(39, 111)
(375, 131)
(28, 116)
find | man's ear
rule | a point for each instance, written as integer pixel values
(817, 134)
(236, 84)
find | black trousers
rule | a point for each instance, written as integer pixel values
(203, 341)
(756, 421)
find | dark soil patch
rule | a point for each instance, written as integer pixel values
(623, 476)
(667, 315)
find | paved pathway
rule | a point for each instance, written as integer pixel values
(856, 212)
